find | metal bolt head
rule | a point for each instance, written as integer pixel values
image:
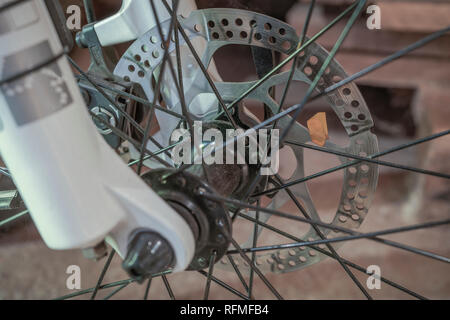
(201, 190)
(201, 261)
(220, 238)
(181, 181)
(80, 40)
(220, 222)
(148, 253)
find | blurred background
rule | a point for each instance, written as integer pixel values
(408, 99)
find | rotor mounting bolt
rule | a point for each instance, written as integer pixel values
(201, 190)
(202, 262)
(220, 238)
(107, 117)
(181, 181)
(220, 222)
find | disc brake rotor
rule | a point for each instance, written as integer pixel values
(216, 28)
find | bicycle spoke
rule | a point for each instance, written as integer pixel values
(294, 64)
(109, 296)
(315, 222)
(383, 62)
(372, 68)
(297, 107)
(180, 88)
(317, 225)
(13, 218)
(168, 288)
(329, 246)
(324, 252)
(256, 269)
(202, 68)
(325, 65)
(349, 238)
(283, 98)
(147, 288)
(212, 260)
(268, 76)
(254, 242)
(434, 36)
(148, 157)
(224, 285)
(102, 274)
(366, 159)
(414, 250)
(247, 195)
(178, 84)
(159, 80)
(352, 163)
(292, 56)
(106, 286)
(238, 273)
(102, 287)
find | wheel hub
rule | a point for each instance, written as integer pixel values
(208, 219)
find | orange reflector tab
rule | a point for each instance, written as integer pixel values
(318, 129)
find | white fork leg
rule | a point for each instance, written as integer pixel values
(77, 189)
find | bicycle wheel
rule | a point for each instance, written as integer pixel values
(162, 84)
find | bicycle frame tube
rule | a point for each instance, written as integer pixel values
(78, 190)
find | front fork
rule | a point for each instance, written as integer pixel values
(79, 192)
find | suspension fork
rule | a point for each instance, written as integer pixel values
(134, 19)
(78, 191)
